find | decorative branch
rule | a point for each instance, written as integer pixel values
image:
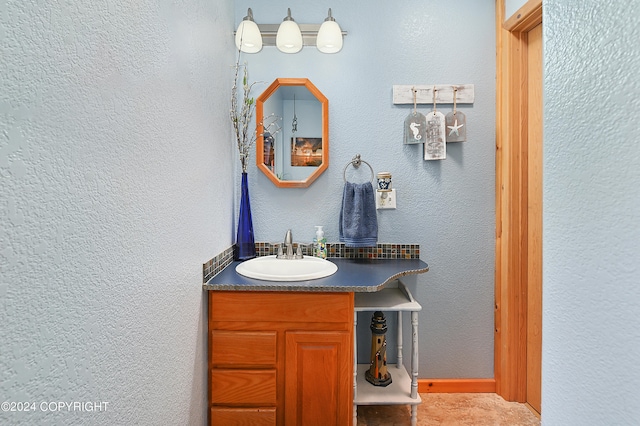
(242, 113)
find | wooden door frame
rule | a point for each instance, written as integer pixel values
(510, 339)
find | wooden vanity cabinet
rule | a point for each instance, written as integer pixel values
(280, 358)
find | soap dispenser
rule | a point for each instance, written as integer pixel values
(320, 244)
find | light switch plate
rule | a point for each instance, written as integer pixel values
(388, 202)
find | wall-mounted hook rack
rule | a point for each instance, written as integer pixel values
(403, 94)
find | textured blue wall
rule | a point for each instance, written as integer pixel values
(114, 132)
(445, 206)
(591, 326)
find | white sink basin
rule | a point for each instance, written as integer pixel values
(269, 268)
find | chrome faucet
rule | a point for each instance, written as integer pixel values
(287, 252)
(288, 244)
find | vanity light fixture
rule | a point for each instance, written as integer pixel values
(329, 38)
(248, 37)
(289, 37)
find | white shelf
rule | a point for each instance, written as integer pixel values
(394, 297)
(398, 392)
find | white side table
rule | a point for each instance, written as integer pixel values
(403, 390)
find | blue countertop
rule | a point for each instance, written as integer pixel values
(353, 275)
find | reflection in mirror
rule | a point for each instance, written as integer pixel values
(299, 152)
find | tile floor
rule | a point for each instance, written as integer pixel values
(452, 409)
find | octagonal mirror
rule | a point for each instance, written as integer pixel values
(292, 144)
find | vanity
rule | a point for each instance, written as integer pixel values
(282, 347)
(284, 353)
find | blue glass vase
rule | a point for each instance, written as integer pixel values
(245, 243)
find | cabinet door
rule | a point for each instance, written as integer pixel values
(318, 367)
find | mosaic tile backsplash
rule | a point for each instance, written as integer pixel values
(381, 251)
(217, 264)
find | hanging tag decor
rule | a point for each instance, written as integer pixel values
(435, 147)
(415, 125)
(456, 123)
(415, 128)
(456, 127)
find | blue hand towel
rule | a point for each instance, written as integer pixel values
(358, 220)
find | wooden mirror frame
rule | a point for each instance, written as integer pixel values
(260, 100)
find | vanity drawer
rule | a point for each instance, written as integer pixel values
(280, 306)
(255, 387)
(225, 416)
(240, 348)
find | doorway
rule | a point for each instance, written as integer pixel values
(518, 316)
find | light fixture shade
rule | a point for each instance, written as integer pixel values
(329, 38)
(289, 37)
(248, 37)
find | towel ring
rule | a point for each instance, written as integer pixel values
(356, 162)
